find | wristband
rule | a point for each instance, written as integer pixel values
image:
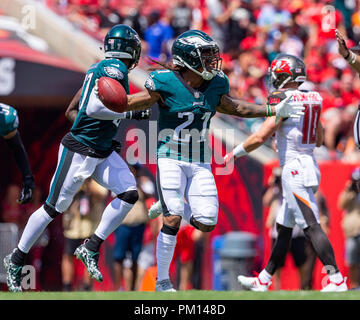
(129, 115)
(352, 58)
(239, 150)
(268, 111)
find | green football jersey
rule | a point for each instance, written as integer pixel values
(95, 133)
(185, 114)
(9, 120)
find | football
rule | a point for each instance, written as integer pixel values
(112, 94)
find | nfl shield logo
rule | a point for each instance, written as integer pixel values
(197, 94)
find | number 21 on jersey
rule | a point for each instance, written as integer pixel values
(190, 118)
(310, 123)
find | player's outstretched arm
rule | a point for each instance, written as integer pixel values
(255, 140)
(14, 142)
(241, 108)
(73, 108)
(348, 55)
(142, 100)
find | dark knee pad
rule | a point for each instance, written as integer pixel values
(51, 211)
(129, 196)
(280, 248)
(169, 230)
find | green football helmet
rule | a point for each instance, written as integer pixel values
(192, 48)
(123, 42)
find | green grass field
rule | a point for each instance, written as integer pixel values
(183, 295)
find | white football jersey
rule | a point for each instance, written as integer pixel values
(298, 135)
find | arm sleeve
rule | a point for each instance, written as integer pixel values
(95, 109)
(21, 158)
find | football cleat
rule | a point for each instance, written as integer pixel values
(164, 286)
(90, 260)
(336, 287)
(155, 210)
(253, 283)
(13, 274)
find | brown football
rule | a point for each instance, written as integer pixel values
(112, 94)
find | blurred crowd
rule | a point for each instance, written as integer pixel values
(250, 34)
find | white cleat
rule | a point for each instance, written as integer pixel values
(333, 287)
(164, 286)
(253, 283)
(155, 210)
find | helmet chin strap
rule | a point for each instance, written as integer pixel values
(206, 75)
(285, 82)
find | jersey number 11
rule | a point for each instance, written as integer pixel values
(310, 123)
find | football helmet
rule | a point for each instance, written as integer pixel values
(123, 42)
(194, 49)
(286, 68)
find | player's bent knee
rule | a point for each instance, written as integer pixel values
(311, 230)
(51, 211)
(171, 230)
(284, 233)
(200, 226)
(129, 196)
(175, 205)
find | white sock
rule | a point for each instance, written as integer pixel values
(165, 246)
(35, 226)
(113, 215)
(336, 278)
(264, 276)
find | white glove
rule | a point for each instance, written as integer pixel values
(96, 88)
(286, 110)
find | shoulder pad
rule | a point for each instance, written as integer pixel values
(276, 97)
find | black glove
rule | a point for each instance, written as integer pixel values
(27, 190)
(141, 114)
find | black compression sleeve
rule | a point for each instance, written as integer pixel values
(21, 158)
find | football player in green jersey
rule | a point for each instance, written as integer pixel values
(9, 123)
(88, 151)
(189, 93)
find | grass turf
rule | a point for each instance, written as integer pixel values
(183, 295)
